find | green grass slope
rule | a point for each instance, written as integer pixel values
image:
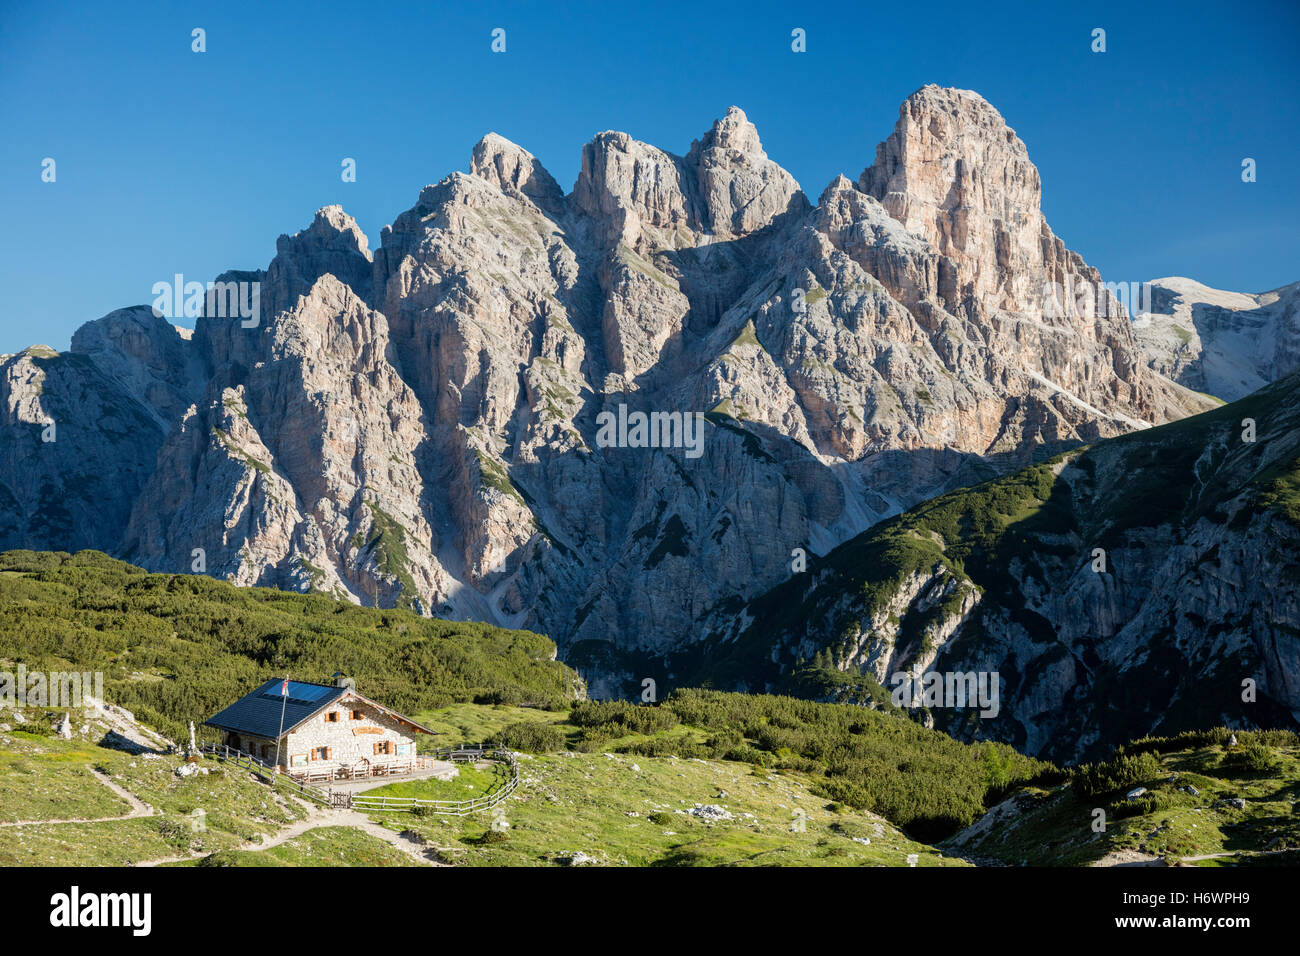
(1205, 803)
(76, 820)
(619, 810)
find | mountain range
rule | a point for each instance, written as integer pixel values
(419, 426)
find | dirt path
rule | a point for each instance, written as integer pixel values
(317, 818)
(1129, 858)
(138, 807)
(1227, 853)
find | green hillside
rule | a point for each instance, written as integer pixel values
(1203, 802)
(178, 647)
(1008, 565)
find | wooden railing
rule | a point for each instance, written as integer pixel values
(269, 773)
(329, 798)
(458, 808)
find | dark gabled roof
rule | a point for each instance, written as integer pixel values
(258, 714)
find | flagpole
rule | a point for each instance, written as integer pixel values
(284, 702)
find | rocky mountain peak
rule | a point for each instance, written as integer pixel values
(724, 187)
(148, 356)
(516, 172)
(741, 190)
(1227, 344)
(424, 428)
(331, 229)
(333, 243)
(953, 172)
(734, 131)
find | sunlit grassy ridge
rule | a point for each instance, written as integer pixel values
(1204, 802)
(47, 778)
(622, 810)
(920, 780)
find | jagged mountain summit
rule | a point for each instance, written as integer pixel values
(1227, 344)
(422, 426)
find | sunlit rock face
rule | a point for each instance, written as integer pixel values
(422, 426)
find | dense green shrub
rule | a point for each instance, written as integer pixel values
(592, 740)
(1124, 770)
(1254, 757)
(529, 736)
(921, 780)
(179, 647)
(619, 718)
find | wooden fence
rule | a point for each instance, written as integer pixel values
(268, 773)
(329, 798)
(458, 808)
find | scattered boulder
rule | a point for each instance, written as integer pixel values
(709, 811)
(1135, 793)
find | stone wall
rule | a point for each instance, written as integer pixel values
(351, 742)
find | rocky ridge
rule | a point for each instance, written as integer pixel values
(417, 426)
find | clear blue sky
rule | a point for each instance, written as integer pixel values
(171, 161)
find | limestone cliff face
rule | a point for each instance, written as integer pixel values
(421, 426)
(954, 173)
(149, 358)
(75, 450)
(1227, 344)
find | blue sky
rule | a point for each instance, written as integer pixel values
(171, 161)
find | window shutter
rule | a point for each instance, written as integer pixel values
(329, 753)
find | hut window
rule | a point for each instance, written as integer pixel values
(332, 717)
(358, 715)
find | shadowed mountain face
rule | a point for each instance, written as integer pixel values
(425, 426)
(1149, 584)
